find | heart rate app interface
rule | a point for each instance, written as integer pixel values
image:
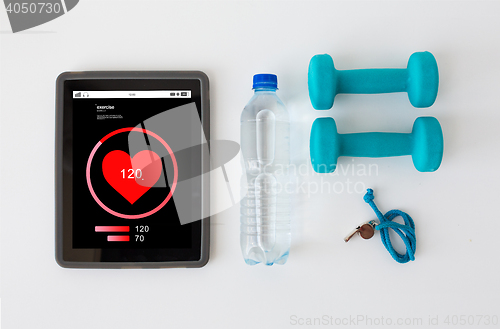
(124, 174)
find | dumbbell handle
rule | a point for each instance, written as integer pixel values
(375, 144)
(371, 81)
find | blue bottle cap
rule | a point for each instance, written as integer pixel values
(265, 80)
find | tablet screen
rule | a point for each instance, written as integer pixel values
(126, 159)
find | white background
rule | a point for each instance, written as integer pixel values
(455, 208)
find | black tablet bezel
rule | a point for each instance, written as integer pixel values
(66, 255)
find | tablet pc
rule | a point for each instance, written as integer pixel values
(129, 185)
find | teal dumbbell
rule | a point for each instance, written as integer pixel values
(424, 144)
(420, 80)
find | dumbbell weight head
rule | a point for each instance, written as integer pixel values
(423, 79)
(428, 144)
(322, 81)
(324, 145)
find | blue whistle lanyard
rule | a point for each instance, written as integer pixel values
(406, 232)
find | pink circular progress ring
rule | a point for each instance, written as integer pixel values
(172, 189)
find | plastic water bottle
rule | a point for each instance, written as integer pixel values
(265, 146)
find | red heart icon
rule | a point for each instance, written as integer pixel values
(131, 177)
